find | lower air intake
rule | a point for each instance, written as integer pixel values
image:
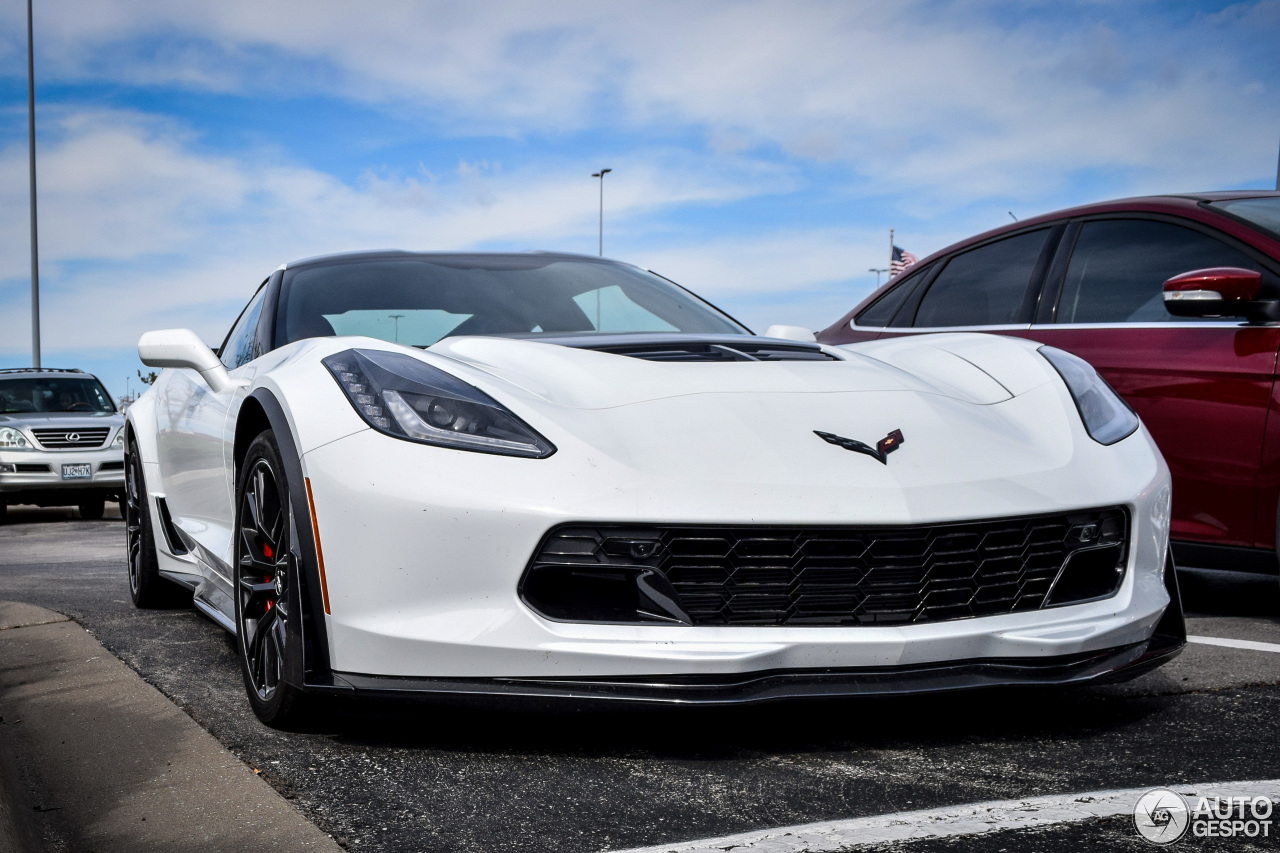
(826, 575)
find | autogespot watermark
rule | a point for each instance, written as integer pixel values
(1163, 816)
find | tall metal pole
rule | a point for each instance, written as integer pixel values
(891, 247)
(31, 142)
(1278, 173)
(600, 174)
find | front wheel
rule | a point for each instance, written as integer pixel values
(265, 572)
(92, 509)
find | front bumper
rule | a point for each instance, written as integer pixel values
(1104, 666)
(424, 549)
(36, 476)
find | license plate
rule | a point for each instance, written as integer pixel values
(77, 472)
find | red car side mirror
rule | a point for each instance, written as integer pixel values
(1214, 292)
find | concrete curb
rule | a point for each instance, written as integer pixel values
(94, 758)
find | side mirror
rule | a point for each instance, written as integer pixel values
(183, 348)
(1217, 292)
(790, 333)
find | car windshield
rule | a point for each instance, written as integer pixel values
(417, 300)
(1262, 213)
(54, 394)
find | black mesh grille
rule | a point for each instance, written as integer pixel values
(815, 575)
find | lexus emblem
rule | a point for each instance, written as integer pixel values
(881, 451)
(73, 436)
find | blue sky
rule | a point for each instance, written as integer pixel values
(761, 150)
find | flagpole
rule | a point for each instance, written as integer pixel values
(890, 247)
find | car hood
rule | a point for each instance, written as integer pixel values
(39, 420)
(988, 428)
(974, 369)
(953, 398)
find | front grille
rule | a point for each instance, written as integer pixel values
(31, 468)
(824, 575)
(61, 437)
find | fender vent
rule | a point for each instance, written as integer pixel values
(172, 537)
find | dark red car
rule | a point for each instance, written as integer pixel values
(1194, 355)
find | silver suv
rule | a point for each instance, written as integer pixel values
(61, 441)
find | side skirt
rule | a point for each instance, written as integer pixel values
(219, 618)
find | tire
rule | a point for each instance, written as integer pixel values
(92, 509)
(147, 589)
(265, 568)
(4, 512)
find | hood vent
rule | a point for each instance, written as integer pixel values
(666, 347)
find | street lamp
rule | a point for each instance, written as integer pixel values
(600, 174)
(877, 272)
(31, 142)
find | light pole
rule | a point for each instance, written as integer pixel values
(31, 142)
(600, 174)
(877, 272)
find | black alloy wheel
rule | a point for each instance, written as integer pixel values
(146, 587)
(265, 570)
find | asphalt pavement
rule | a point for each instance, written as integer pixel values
(447, 778)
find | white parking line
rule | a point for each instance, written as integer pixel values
(972, 819)
(1236, 644)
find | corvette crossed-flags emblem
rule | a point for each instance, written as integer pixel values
(881, 451)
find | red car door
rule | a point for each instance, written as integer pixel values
(1202, 387)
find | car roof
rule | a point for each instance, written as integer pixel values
(1183, 203)
(1173, 203)
(389, 254)
(22, 372)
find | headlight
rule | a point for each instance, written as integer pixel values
(118, 444)
(403, 397)
(11, 439)
(1107, 418)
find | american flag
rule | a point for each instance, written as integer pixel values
(900, 261)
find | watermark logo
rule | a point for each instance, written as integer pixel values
(1161, 816)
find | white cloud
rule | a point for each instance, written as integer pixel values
(139, 229)
(957, 99)
(931, 112)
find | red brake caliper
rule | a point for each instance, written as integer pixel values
(266, 550)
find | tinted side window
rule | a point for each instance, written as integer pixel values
(1119, 266)
(882, 310)
(986, 286)
(241, 346)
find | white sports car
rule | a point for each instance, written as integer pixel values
(531, 475)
